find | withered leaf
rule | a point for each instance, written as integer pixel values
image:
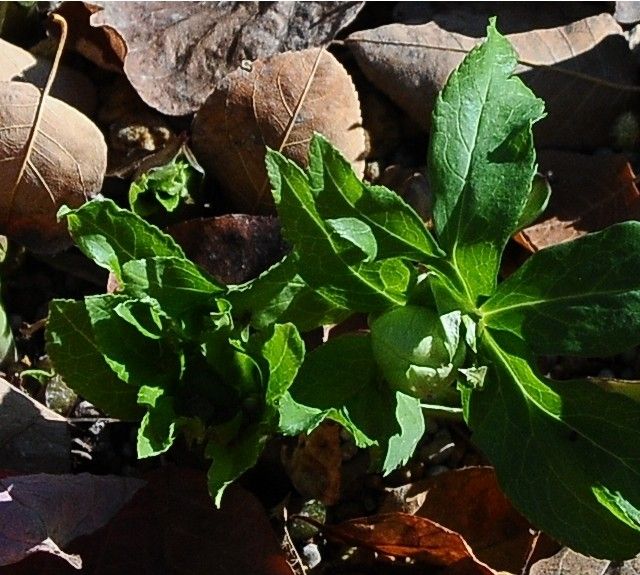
(65, 165)
(45, 512)
(589, 193)
(32, 437)
(234, 248)
(171, 526)
(177, 51)
(568, 562)
(70, 86)
(411, 64)
(278, 103)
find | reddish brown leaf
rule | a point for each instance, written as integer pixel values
(172, 526)
(315, 464)
(177, 51)
(278, 102)
(45, 512)
(589, 193)
(233, 248)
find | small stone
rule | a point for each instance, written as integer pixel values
(86, 409)
(311, 555)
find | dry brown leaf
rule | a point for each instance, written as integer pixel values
(234, 248)
(589, 193)
(65, 165)
(568, 562)
(177, 51)
(32, 437)
(470, 503)
(412, 63)
(278, 103)
(45, 512)
(69, 86)
(314, 466)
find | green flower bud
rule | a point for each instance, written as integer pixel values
(418, 351)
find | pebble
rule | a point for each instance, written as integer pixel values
(311, 555)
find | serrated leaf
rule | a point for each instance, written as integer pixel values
(481, 160)
(177, 284)
(284, 352)
(566, 452)
(156, 433)
(111, 236)
(327, 260)
(232, 460)
(281, 295)
(340, 381)
(135, 358)
(339, 192)
(579, 298)
(73, 350)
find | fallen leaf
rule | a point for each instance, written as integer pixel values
(278, 103)
(32, 437)
(589, 193)
(568, 562)
(45, 512)
(172, 526)
(234, 248)
(70, 86)
(314, 465)
(65, 165)
(177, 51)
(581, 70)
(101, 45)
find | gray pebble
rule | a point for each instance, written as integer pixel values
(311, 555)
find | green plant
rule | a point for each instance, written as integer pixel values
(227, 365)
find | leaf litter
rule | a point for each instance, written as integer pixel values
(589, 193)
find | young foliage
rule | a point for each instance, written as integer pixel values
(232, 363)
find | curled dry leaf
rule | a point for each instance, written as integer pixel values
(584, 70)
(177, 51)
(65, 165)
(279, 103)
(45, 512)
(32, 437)
(589, 193)
(69, 86)
(234, 248)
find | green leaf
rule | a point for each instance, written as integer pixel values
(134, 357)
(232, 460)
(327, 259)
(340, 381)
(156, 433)
(536, 202)
(281, 295)
(481, 160)
(581, 297)
(177, 284)
(163, 188)
(398, 230)
(7, 347)
(566, 452)
(284, 352)
(111, 236)
(72, 347)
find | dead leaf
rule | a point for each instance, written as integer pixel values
(568, 562)
(314, 466)
(45, 512)
(102, 45)
(66, 165)
(172, 526)
(234, 248)
(32, 437)
(470, 503)
(411, 64)
(278, 103)
(589, 193)
(177, 51)
(70, 86)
